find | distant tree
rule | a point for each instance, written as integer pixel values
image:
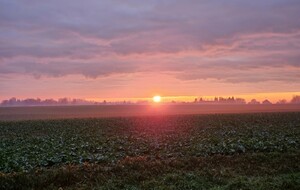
(295, 100)
(35, 102)
(49, 102)
(63, 101)
(254, 101)
(231, 99)
(4, 103)
(30, 102)
(10, 102)
(267, 102)
(221, 99)
(13, 101)
(240, 101)
(283, 101)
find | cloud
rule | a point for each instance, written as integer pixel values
(61, 68)
(232, 41)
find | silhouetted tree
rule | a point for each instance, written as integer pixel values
(295, 100)
(283, 101)
(267, 102)
(63, 101)
(240, 101)
(254, 101)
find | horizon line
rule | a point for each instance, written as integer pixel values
(271, 96)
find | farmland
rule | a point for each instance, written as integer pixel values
(216, 151)
(104, 111)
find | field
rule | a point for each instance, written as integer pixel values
(216, 151)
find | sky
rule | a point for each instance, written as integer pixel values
(130, 49)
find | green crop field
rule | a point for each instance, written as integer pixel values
(217, 151)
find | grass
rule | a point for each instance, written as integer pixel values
(228, 151)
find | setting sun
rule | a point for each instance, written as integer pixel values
(156, 99)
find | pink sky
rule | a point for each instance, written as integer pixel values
(132, 49)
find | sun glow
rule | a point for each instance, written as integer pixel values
(156, 99)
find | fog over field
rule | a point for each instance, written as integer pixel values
(94, 111)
